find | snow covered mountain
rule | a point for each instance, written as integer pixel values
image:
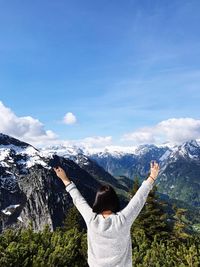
(179, 176)
(180, 165)
(130, 163)
(180, 173)
(86, 161)
(30, 191)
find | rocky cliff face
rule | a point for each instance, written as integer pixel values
(29, 189)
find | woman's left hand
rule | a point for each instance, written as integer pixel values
(62, 175)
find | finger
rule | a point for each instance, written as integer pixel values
(157, 165)
(151, 164)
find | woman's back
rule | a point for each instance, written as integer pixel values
(109, 240)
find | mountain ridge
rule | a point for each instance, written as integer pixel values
(30, 190)
(27, 182)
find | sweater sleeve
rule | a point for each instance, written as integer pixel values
(132, 210)
(80, 202)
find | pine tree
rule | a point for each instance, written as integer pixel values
(26, 248)
(180, 230)
(73, 220)
(152, 220)
(136, 185)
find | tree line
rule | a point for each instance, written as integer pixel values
(160, 237)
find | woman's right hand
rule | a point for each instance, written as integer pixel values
(154, 170)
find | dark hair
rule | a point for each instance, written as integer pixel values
(106, 199)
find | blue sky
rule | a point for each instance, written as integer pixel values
(122, 68)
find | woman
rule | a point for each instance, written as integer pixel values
(108, 228)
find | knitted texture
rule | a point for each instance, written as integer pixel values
(109, 239)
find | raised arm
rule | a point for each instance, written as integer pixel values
(132, 210)
(78, 200)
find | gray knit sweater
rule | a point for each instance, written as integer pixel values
(109, 240)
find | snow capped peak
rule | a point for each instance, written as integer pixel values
(191, 144)
(115, 151)
(8, 140)
(13, 151)
(27, 156)
(62, 151)
(73, 151)
(112, 150)
(189, 149)
(142, 149)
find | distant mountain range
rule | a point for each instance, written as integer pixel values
(30, 191)
(179, 176)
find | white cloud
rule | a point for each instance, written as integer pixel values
(174, 130)
(90, 142)
(143, 135)
(96, 141)
(32, 131)
(25, 128)
(69, 118)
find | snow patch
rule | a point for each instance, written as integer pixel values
(4, 153)
(10, 209)
(7, 212)
(4, 164)
(165, 156)
(35, 160)
(20, 219)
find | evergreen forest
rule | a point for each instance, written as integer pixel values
(160, 238)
